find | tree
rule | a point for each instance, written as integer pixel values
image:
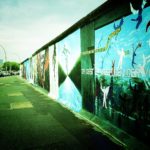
(14, 66)
(11, 66)
(6, 65)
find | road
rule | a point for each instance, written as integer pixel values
(31, 120)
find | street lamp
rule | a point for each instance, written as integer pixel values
(4, 54)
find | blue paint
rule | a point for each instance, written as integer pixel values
(70, 96)
(119, 25)
(68, 52)
(125, 40)
(27, 69)
(138, 19)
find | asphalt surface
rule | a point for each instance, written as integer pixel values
(31, 120)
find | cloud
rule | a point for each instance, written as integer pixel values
(27, 25)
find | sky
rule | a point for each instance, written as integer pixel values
(27, 25)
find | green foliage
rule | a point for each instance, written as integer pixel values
(11, 66)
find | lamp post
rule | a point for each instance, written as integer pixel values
(4, 54)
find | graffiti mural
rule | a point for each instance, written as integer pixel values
(26, 70)
(122, 66)
(31, 70)
(21, 70)
(68, 51)
(34, 64)
(43, 69)
(53, 73)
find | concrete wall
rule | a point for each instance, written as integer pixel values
(103, 67)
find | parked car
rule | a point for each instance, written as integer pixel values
(4, 73)
(14, 72)
(1, 74)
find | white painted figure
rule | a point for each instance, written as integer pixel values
(66, 53)
(134, 11)
(121, 54)
(105, 94)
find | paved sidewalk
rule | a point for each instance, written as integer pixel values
(106, 128)
(115, 134)
(30, 120)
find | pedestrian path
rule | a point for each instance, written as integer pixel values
(105, 127)
(31, 120)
